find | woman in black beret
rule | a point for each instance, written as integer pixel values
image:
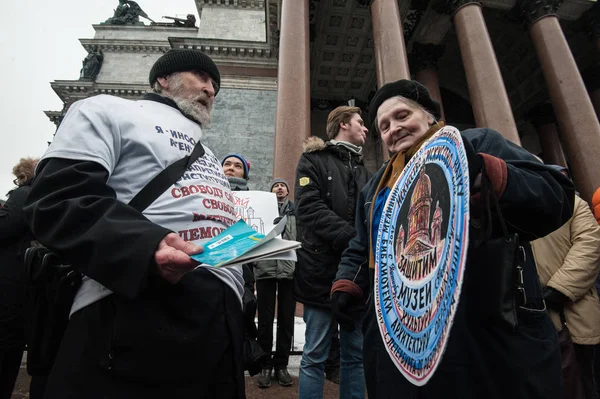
(482, 358)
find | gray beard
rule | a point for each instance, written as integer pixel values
(188, 103)
(193, 110)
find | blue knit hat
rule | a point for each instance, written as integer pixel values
(245, 163)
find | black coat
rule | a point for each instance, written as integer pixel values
(328, 181)
(15, 237)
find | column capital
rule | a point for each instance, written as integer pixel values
(424, 56)
(532, 10)
(450, 6)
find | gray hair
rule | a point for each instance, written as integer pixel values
(413, 104)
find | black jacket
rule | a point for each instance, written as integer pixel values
(328, 181)
(15, 238)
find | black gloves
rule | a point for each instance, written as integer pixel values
(474, 159)
(341, 306)
(277, 219)
(554, 299)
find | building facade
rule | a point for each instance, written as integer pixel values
(526, 68)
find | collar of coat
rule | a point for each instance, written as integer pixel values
(286, 207)
(316, 144)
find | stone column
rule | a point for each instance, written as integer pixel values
(292, 124)
(423, 62)
(391, 63)
(574, 111)
(491, 106)
(544, 121)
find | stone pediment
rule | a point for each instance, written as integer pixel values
(225, 48)
(70, 91)
(126, 46)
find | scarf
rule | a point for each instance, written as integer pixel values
(351, 147)
(386, 184)
(237, 183)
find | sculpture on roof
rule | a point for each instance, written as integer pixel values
(91, 65)
(188, 22)
(127, 12)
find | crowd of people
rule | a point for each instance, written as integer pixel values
(127, 192)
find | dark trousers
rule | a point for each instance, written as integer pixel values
(10, 363)
(173, 341)
(585, 355)
(266, 291)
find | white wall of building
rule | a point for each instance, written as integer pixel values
(233, 24)
(128, 68)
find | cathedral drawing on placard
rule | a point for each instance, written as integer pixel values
(249, 217)
(418, 251)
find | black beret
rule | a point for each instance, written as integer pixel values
(410, 89)
(180, 60)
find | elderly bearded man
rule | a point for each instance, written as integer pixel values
(146, 322)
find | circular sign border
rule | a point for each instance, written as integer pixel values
(449, 138)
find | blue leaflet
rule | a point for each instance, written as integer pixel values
(230, 244)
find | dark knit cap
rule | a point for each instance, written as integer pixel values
(180, 60)
(279, 180)
(410, 89)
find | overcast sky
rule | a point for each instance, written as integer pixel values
(40, 43)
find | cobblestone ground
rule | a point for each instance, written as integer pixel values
(252, 391)
(277, 391)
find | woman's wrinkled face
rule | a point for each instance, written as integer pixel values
(401, 125)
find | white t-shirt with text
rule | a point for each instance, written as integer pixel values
(134, 141)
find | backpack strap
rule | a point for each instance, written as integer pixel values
(165, 179)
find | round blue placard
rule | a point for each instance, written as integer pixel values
(420, 255)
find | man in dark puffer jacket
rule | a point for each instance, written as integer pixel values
(328, 181)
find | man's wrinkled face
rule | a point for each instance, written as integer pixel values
(280, 190)
(233, 167)
(194, 94)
